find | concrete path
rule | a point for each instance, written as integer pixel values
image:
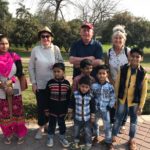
(142, 138)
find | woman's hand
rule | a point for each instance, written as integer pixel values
(2, 85)
(9, 91)
(34, 88)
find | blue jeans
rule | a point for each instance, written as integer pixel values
(120, 112)
(107, 126)
(78, 125)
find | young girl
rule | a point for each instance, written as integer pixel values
(11, 107)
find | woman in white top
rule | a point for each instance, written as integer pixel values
(43, 57)
(117, 57)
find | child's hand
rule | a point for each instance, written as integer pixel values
(139, 111)
(47, 113)
(92, 120)
(70, 114)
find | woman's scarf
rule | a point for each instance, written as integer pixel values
(6, 63)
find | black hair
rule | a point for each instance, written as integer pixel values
(3, 36)
(85, 80)
(59, 65)
(102, 67)
(85, 62)
(137, 50)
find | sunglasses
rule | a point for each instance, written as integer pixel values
(45, 36)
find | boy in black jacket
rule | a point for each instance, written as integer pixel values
(58, 95)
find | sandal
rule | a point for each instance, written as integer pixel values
(8, 140)
(20, 140)
(132, 145)
(114, 139)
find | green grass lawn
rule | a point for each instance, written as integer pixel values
(29, 97)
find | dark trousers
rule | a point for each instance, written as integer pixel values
(52, 125)
(41, 105)
(112, 116)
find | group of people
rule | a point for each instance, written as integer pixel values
(110, 91)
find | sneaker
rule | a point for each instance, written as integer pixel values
(114, 139)
(64, 142)
(96, 139)
(88, 146)
(122, 129)
(50, 142)
(38, 135)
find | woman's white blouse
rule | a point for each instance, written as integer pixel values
(116, 61)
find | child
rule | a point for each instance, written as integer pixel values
(131, 90)
(83, 105)
(58, 95)
(86, 69)
(105, 99)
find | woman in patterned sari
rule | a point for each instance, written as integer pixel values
(11, 107)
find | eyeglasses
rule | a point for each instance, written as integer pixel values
(45, 36)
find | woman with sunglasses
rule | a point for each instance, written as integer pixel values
(43, 57)
(117, 56)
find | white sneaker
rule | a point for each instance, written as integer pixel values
(64, 142)
(50, 142)
(38, 135)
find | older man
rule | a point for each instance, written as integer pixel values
(85, 48)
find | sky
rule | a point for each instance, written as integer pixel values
(138, 8)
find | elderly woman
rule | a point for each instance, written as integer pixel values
(11, 107)
(117, 57)
(43, 57)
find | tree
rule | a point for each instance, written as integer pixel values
(55, 6)
(5, 17)
(22, 12)
(65, 33)
(137, 28)
(45, 17)
(25, 30)
(3, 9)
(97, 10)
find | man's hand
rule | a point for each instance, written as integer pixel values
(91, 58)
(47, 113)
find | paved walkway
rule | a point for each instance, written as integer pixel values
(142, 138)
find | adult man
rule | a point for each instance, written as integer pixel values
(85, 48)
